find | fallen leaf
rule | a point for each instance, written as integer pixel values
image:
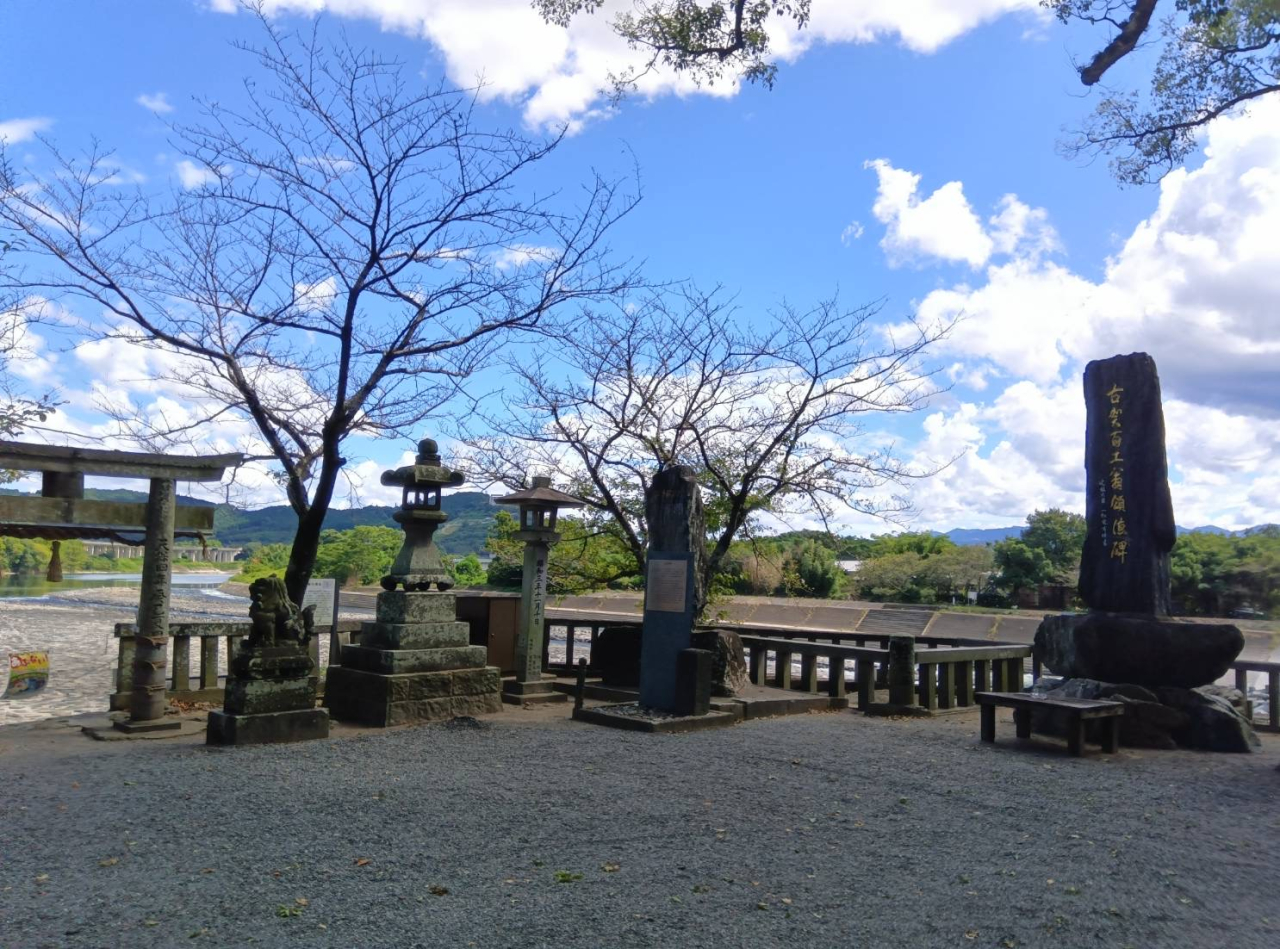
(610, 867)
(435, 889)
(970, 934)
(42, 878)
(302, 901)
(362, 861)
(109, 862)
(207, 870)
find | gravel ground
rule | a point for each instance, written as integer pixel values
(530, 830)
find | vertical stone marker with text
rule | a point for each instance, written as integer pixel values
(673, 591)
(1125, 566)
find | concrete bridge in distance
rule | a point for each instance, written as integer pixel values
(117, 550)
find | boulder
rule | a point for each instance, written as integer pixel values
(729, 674)
(1144, 650)
(1213, 723)
(616, 656)
(1146, 723)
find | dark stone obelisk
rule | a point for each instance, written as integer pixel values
(1125, 647)
(1125, 565)
(674, 593)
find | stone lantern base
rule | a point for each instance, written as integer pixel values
(414, 664)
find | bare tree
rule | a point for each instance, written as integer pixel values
(774, 417)
(349, 247)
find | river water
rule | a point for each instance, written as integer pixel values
(35, 585)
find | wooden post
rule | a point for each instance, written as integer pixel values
(865, 669)
(946, 685)
(1022, 722)
(902, 670)
(759, 662)
(149, 701)
(809, 672)
(782, 670)
(1075, 735)
(988, 723)
(964, 684)
(1273, 698)
(928, 686)
(580, 687)
(182, 663)
(1111, 735)
(209, 662)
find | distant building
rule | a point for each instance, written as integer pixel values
(849, 566)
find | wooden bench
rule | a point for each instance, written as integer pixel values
(1077, 710)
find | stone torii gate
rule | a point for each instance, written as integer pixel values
(62, 512)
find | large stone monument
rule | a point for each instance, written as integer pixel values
(674, 593)
(415, 662)
(271, 687)
(1125, 646)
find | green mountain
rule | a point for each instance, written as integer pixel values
(470, 516)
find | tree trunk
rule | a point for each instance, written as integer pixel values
(306, 541)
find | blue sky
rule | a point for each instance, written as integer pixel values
(907, 153)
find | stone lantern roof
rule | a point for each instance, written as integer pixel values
(426, 472)
(543, 495)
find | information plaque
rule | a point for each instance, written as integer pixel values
(666, 586)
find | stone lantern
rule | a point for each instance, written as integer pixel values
(538, 507)
(418, 564)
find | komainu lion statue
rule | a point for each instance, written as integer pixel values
(276, 620)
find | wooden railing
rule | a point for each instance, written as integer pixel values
(784, 651)
(947, 671)
(207, 685)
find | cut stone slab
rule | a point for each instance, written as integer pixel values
(1143, 650)
(415, 635)
(399, 606)
(394, 661)
(256, 696)
(370, 698)
(631, 717)
(267, 728)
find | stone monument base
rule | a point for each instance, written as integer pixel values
(1208, 718)
(267, 711)
(380, 700)
(263, 728)
(414, 664)
(1145, 650)
(542, 692)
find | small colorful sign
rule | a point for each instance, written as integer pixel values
(28, 674)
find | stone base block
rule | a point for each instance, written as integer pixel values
(397, 661)
(1142, 650)
(367, 698)
(415, 635)
(259, 696)
(400, 606)
(268, 728)
(130, 727)
(515, 692)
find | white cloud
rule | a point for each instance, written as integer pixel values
(942, 225)
(557, 74)
(13, 131)
(155, 102)
(852, 232)
(1195, 285)
(195, 176)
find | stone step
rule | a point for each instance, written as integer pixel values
(414, 635)
(393, 661)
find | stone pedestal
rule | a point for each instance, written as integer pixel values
(270, 698)
(414, 664)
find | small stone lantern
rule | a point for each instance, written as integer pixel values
(538, 507)
(418, 564)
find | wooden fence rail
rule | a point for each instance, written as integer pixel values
(206, 685)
